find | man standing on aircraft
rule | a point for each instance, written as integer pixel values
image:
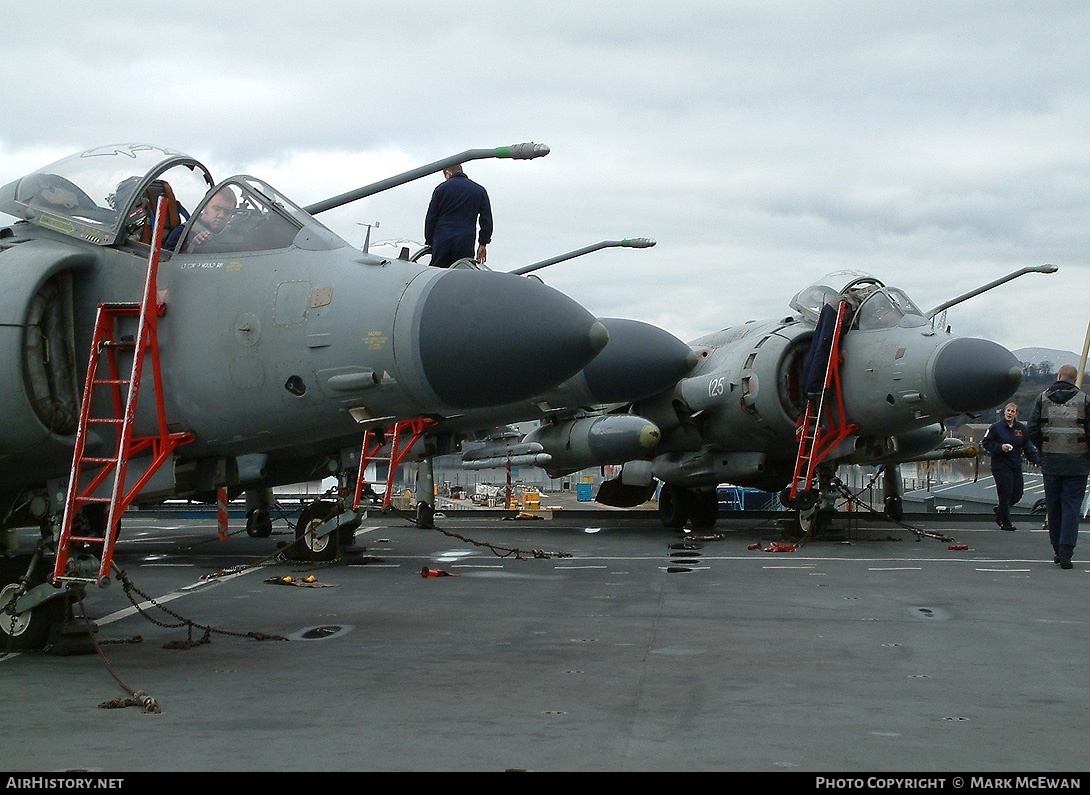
(213, 219)
(1059, 424)
(456, 205)
(1008, 440)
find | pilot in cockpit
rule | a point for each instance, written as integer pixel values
(213, 219)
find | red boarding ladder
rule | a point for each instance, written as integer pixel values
(89, 473)
(823, 425)
(373, 444)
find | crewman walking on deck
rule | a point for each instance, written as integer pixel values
(1008, 441)
(1059, 425)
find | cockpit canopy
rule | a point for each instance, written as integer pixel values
(875, 306)
(107, 195)
(98, 195)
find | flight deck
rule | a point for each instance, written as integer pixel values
(589, 641)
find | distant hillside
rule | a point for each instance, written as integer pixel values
(1036, 356)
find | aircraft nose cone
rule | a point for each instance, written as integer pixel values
(641, 360)
(974, 374)
(489, 338)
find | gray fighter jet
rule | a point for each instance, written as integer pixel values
(164, 335)
(858, 374)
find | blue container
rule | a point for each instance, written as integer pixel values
(584, 492)
(730, 498)
(737, 498)
(757, 500)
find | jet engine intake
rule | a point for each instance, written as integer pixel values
(37, 348)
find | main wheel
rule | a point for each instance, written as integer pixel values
(673, 506)
(29, 629)
(425, 515)
(704, 509)
(309, 546)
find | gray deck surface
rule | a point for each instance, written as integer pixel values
(606, 643)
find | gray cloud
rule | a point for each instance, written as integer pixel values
(763, 144)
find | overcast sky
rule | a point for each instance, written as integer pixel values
(935, 145)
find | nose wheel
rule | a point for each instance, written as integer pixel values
(311, 545)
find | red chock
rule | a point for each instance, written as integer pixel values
(426, 572)
(779, 546)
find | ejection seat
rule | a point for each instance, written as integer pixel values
(150, 200)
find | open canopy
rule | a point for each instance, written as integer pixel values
(98, 195)
(107, 195)
(877, 306)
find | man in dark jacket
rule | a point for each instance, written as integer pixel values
(457, 204)
(1007, 441)
(1059, 424)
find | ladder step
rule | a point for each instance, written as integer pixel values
(111, 336)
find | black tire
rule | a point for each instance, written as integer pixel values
(822, 520)
(425, 516)
(91, 520)
(309, 548)
(805, 500)
(704, 509)
(785, 498)
(28, 630)
(259, 524)
(895, 508)
(674, 506)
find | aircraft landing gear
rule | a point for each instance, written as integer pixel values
(894, 488)
(425, 516)
(815, 508)
(814, 520)
(259, 504)
(259, 523)
(673, 506)
(425, 490)
(704, 509)
(678, 506)
(30, 628)
(309, 544)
